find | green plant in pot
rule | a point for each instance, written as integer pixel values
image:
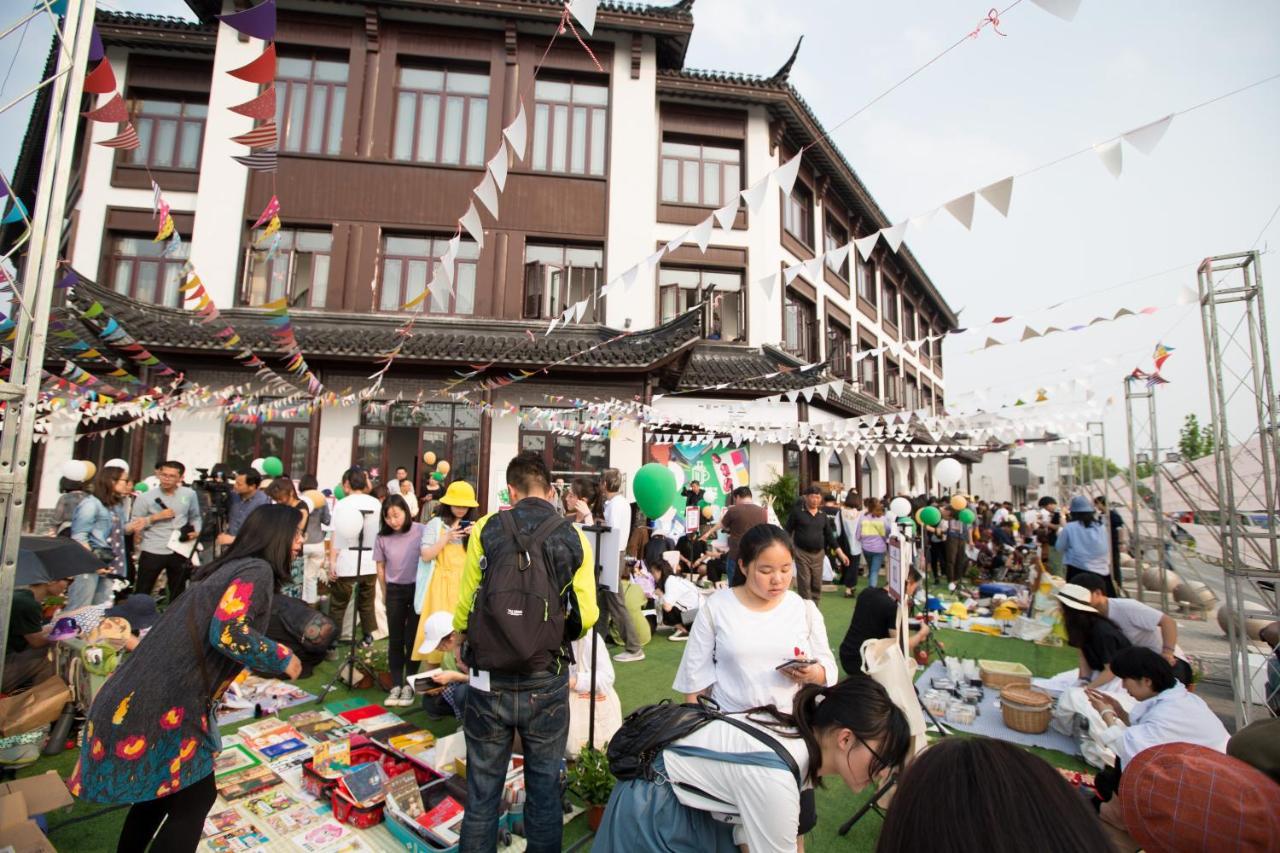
(590, 779)
(781, 493)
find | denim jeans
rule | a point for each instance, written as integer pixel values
(402, 628)
(874, 562)
(730, 569)
(537, 707)
(88, 589)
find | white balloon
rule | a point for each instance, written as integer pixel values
(678, 471)
(117, 463)
(899, 507)
(948, 472)
(348, 521)
(153, 482)
(258, 465)
(75, 470)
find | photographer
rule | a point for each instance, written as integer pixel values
(875, 616)
(246, 499)
(172, 508)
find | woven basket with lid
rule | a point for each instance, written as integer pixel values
(1025, 709)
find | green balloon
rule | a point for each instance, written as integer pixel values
(141, 487)
(438, 476)
(273, 466)
(966, 515)
(339, 492)
(655, 489)
(930, 516)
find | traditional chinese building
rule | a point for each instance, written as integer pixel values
(387, 113)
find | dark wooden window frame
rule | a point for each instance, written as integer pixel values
(597, 310)
(838, 279)
(727, 192)
(443, 94)
(839, 352)
(166, 266)
(288, 257)
(794, 202)
(866, 343)
(797, 295)
(549, 439)
(891, 312)
(708, 316)
(288, 88)
(140, 118)
(452, 431)
(552, 141)
(311, 423)
(434, 242)
(689, 123)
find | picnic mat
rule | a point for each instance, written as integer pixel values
(990, 722)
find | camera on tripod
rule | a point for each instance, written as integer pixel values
(214, 494)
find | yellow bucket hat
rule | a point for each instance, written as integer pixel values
(460, 493)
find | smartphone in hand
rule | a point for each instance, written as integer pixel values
(796, 663)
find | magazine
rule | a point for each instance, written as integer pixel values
(270, 803)
(242, 783)
(442, 822)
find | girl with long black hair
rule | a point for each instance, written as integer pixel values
(151, 735)
(721, 787)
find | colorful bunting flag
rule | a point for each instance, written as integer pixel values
(261, 107)
(1161, 355)
(272, 227)
(96, 50)
(258, 22)
(126, 141)
(261, 70)
(113, 110)
(269, 212)
(260, 137)
(100, 80)
(259, 161)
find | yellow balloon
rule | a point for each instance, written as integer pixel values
(89, 470)
(959, 502)
(429, 457)
(442, 467)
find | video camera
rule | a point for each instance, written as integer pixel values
(213, 490)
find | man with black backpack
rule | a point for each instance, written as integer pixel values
(527, 591)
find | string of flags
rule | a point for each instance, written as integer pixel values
(262, 139)
(1153, 379)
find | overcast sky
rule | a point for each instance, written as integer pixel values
(998, 106)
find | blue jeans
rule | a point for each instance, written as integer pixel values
(730, 569)
(88, 589)
(874, 562)
(538, 708)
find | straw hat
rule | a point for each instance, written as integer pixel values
(460, 493)
(1076, 597)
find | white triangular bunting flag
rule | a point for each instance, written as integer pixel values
(893, 235)
(487, 193)
(629, 277)
(515, 133)
(701, 234)
(585, 12)
(1064, 9)
(785, 174)
(552, 325)
(471, 222)
(998, 195)
(866, 244)
(1112, 157)
(498, 168)
(922, 221)
(768, 284)
(838, 387)
(677, 242)
(725, 215)
(578, 310)
(991, 342)
(813, 268)
(1028, 333)
(1147, 137)
(1187, 296)
(789, 273)
(754, 196)
(962, 209)
(837, 256)
(808, 394)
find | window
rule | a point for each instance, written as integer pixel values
(869, 372)
(298, 269)
(835, 469)
(567, 456)
(170, 133)
(679, 290)
(866, 275)
(912, 398)
(908, 320)
(797, 214)
(890, 304)
(410, 264)
(140, 270)
(288, 438)
(556, 277)
(441, 116)
(799, 327)
(892, 384)
(395, 434)
(838, 353)
(695, 173)
(311, 97)
(835, 236)
(936, 346)
(569, 127)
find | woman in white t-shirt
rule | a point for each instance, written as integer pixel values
(677, 599)
(723, 789)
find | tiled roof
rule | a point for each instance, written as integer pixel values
(365, 337)
(743, 369)
(164, 32)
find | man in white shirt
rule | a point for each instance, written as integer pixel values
(1166, 712)
(613, 608)
(1141, 624)
(351, 569)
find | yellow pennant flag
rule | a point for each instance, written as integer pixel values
(191, 284)
(166, 230)
(272, 227)
(415, 301)
(204, 301)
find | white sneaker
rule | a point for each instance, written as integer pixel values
(679, 637)
(627, 657)
(393, 698)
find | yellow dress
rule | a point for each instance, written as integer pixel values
(442, 594)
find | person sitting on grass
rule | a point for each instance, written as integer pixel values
(676, 598)
(931, 812)
(449, 695)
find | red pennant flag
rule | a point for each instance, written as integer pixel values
(259, 137)
(261, 107)
(100, 80)
(126, 141)
(261, 70)
(113, 110)
(1001, 319)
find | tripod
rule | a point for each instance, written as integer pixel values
(598, 530)
(350, 664)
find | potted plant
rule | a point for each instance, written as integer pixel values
(781, 493)
(590, 779)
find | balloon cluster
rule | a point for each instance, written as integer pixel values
(78, 470)
(270, 466)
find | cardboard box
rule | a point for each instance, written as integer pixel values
(33, 708)
(22, 799)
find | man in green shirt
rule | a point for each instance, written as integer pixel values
(26, 657)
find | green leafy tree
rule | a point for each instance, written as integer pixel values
(1089, 468)
(1195, 442)
(781, 493)
(1144, 470)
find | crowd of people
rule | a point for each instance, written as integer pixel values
(508, 612)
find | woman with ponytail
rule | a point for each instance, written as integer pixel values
(725, 787)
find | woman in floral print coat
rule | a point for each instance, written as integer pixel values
(150, 739)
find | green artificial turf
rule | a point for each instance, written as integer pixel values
(92, 828)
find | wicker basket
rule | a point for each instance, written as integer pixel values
(1025, 709)
(999, 674)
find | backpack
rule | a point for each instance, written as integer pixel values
(518, 615)
(647, 731)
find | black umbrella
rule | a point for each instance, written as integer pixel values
(48, 558)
